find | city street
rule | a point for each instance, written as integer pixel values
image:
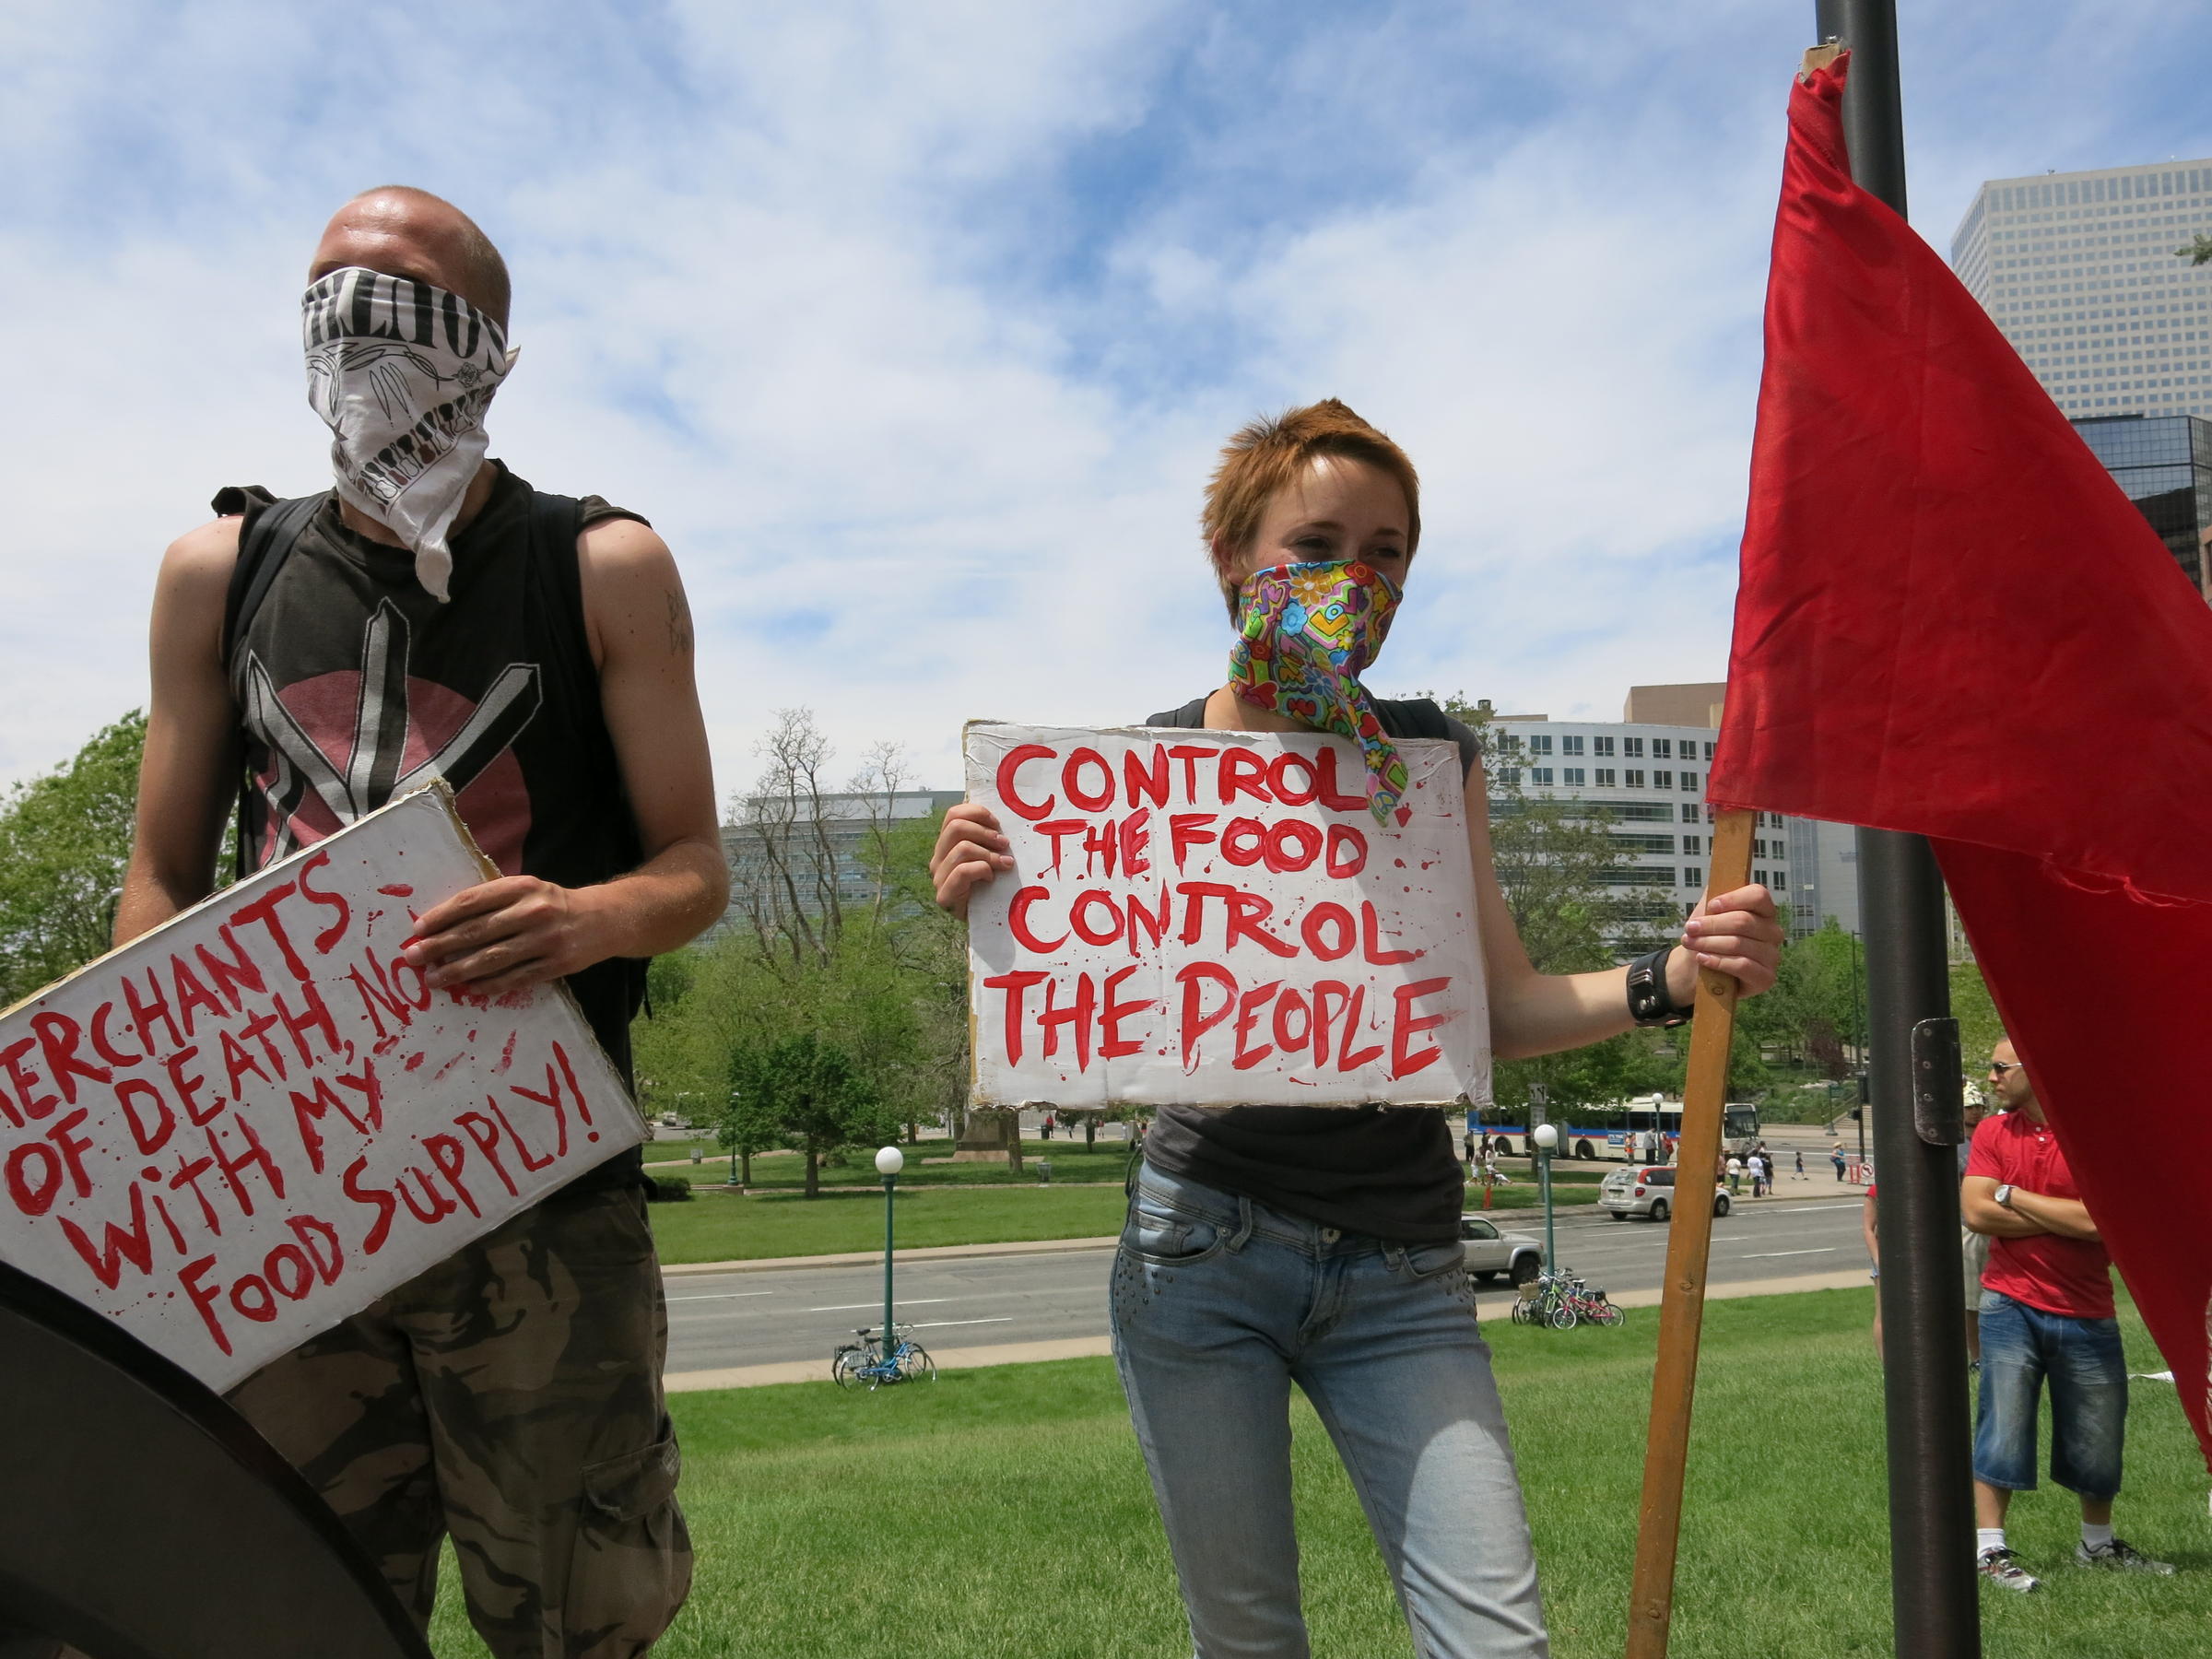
(718, 1321)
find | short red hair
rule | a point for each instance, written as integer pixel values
(1273, 452)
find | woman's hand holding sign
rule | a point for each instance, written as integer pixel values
(970, 851)
(1736, 933)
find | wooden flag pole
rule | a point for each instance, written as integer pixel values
(1688, 1242)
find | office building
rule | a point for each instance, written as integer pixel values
(1651, 779)
(2164, 462)
(1824, 864)
(2080, 272)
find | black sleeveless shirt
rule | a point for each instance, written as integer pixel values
(1388, 1172)
(353, 684)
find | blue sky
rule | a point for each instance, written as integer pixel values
(914, 327)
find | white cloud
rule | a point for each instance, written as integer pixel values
(915, 328)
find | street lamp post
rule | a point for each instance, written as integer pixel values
(1546, 1136)
(889, 1162)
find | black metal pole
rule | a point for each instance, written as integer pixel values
(1916, 1100)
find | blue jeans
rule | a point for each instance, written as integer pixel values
(2021, 1346)
(1219, 1304)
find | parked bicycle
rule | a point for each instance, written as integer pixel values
(865, 1363)
(1562, 1300)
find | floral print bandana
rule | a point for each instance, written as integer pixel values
(1304, 631)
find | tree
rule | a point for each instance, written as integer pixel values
(837, 931)
(2198, 250)
(818, 1102)
(65, 839)
(746, 1123)
(1812, 1012)
(1980, 1028)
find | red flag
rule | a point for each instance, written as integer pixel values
(1952, 622)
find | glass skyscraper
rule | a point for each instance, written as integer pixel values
(2079, 271)
(2165, 464)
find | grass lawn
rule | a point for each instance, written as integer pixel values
(723, 1228)
(1005, 1512)
(717, 1226)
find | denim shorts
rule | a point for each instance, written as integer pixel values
(2023, 1348)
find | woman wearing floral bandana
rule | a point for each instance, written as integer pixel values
(1317, 1245)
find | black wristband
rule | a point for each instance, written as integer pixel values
(1650, 1001)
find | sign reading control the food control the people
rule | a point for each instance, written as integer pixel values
(1216, 919)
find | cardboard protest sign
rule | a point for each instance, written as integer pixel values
(256, 1119)
(1216, 919)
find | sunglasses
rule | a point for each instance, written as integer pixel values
(2001, 1066)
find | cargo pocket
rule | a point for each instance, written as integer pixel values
(631, 1567)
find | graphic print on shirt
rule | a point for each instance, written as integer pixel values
(340, 744)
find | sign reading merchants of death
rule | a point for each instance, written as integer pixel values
(1216, 919)
(256, 1119)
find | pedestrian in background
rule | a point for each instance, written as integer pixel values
(2047, 1315)
(1835, 1156)
(1870, 1230)
(1801, 1163)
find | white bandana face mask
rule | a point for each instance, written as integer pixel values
(402, 373)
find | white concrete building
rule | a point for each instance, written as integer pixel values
(1652, 779)
(2079, 271)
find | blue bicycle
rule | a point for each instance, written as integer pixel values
(864, 1363)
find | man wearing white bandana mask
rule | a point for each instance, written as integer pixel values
(402, 371)
(432, 615)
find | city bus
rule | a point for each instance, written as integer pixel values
(1593, 1132)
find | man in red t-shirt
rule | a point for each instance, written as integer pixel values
(2046, 1314)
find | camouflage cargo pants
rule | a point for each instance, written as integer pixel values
(511, 1397)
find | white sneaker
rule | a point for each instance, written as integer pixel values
(2002, 1568)
(2119, 1556)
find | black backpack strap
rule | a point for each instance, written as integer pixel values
(1421, 717)
(271, 531)
(1415, 717)
(1189, 717)
(556, 522)
(265, 541)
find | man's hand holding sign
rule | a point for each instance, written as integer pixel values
(248, 1124)
(1265, 935)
